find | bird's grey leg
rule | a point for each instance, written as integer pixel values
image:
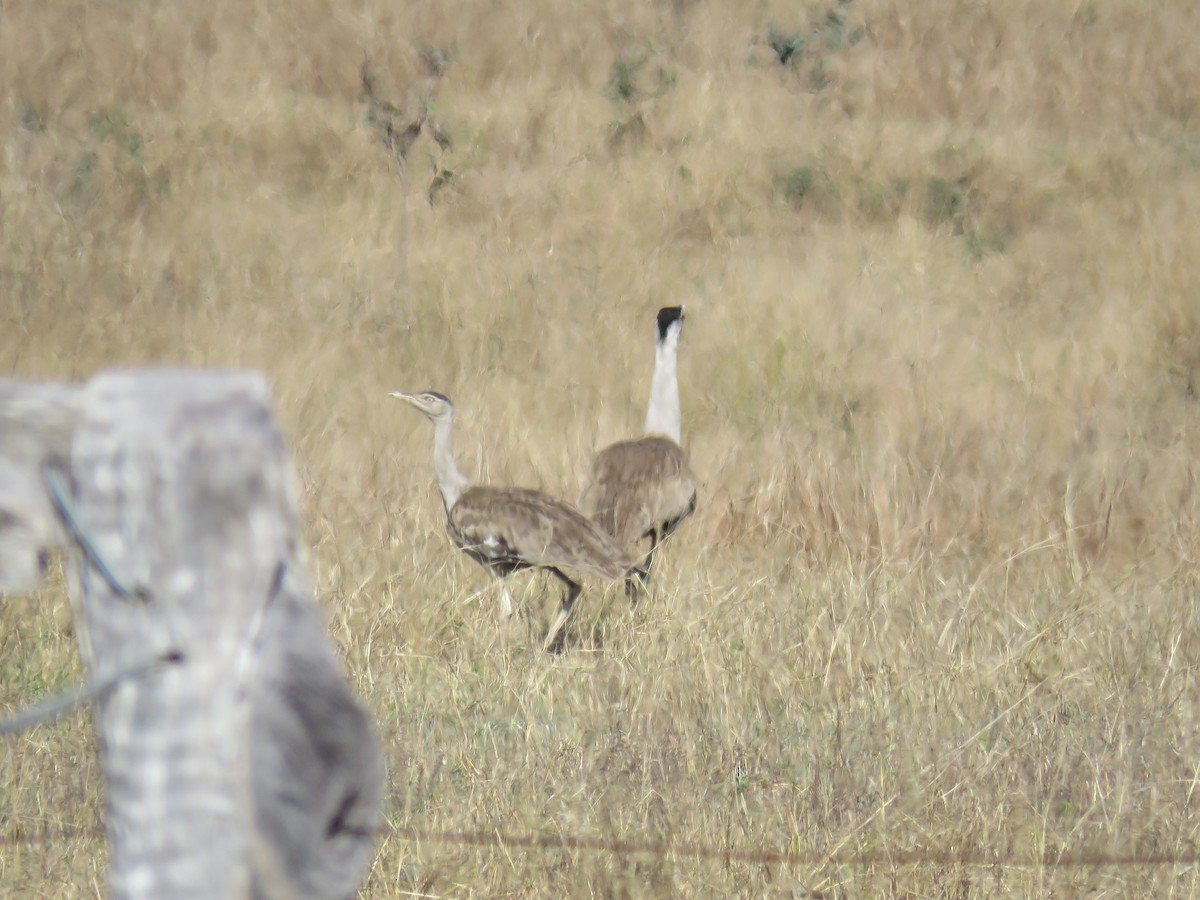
(554, 636)
(654, 535)
(639, 578)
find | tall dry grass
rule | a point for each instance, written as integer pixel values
(940, 376)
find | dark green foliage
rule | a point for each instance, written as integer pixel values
(987, 239)
(81, 176)
(111, 155)
(947, 201)
(633, 85)
(807, 50)
(628, 82)
(959, 203)
(117, 149)
(442, 178)
(622, 87)
(112, 125)
(881, 200)
(786, 45)
(808, 187)
(796, 184)
(32, 118)
(941, 201)
(397, 126)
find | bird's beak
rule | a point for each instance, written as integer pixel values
(410, 399)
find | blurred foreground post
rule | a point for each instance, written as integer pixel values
(237, 762)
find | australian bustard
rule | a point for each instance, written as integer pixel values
(644, 488)
(506, 530)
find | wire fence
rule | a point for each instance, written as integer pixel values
(41, 835)
(17, 834)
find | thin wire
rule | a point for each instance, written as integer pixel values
(60, 496)
(22, 836)
(788, 857)
(56, 707)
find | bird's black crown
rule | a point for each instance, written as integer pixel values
(666, 316)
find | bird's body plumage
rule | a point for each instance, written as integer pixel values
(639, 487)
(643, 488)
(509, 529)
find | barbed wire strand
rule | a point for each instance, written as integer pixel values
(23, 836)
(56, 481)
(57, 487)
(60, 705)
(52, 709)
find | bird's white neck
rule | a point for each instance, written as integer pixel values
(451, 482)
(662, 413)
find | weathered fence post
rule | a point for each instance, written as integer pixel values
(237, 762)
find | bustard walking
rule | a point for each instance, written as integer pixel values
(644, 488)
(506, 530)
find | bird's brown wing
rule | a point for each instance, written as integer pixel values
(512, 526)
(637, 486)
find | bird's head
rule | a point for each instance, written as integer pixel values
(435, 406)
(670, 320)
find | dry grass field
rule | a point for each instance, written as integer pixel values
(940, 379)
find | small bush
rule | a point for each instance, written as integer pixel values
(787, 46)
(808, 50)
(947, 201)
(808, 187)
(626, 82)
